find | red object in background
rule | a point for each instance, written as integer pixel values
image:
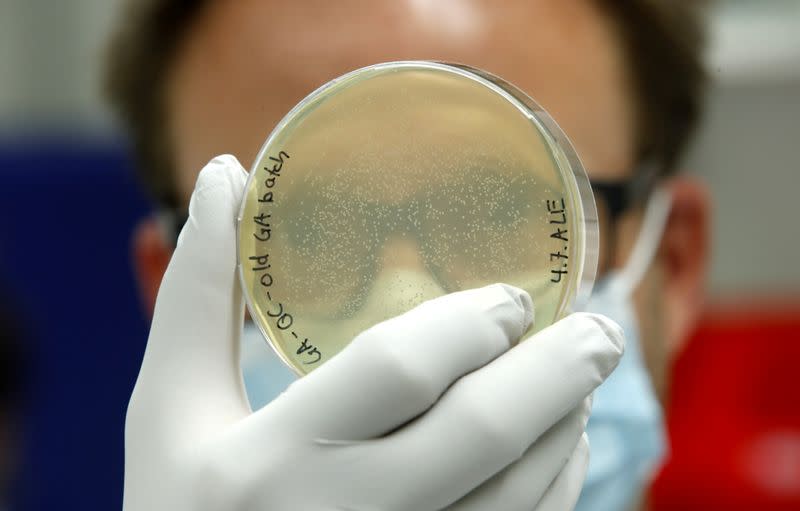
(734, 414)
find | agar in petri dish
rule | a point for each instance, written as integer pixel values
(401, 182)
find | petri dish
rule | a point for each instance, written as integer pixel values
(400, 182)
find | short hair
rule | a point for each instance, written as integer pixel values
(662, 41)
(140, 54)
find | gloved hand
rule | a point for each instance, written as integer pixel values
(433, 409)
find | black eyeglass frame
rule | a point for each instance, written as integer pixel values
(618, 196)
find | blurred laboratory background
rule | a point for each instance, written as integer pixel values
(69, 201)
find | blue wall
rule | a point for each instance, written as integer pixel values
(67, 210)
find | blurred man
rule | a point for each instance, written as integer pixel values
(192, 79)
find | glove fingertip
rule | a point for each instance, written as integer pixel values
(508, 307)
(217, 193)
(221, 169)
(611, 329)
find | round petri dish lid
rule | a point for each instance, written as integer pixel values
(398, 183)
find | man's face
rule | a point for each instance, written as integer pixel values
(245, 64)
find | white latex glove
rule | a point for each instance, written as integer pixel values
(429, 410)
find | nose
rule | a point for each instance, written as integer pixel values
(401, 252)
(402, 281)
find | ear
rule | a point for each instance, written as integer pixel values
(151, 255)
(684, 254)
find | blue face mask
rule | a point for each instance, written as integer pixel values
(626, 428)
(265, 374)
